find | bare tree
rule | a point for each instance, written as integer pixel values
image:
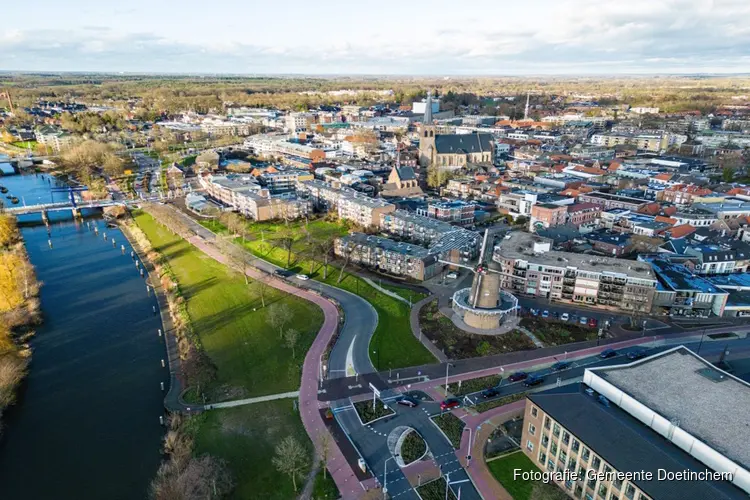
(291, 336)
(324, 448)
(262, 286)
(278, 316)
(325, 249)
(291, 458)
(348, 249)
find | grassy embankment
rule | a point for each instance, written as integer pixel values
(392, 345)
(503, 469)
(250, 360)
(19, 310)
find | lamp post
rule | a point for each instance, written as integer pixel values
(447, 365)
(468, 452)
(700, 344)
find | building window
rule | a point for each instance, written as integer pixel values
(532, 429)
(617, 484)
(542, 458)
(565, 438)
(556, 430)
(547, 423)
(534, 411)
(545, 441)
(553, 449)
(595, 463)
(550, 465)
(529, 445)
(630, 491)
(591, 483)
(603, 490)
(585, 455)
(574, 447)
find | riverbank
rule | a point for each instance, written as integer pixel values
(19, 311)
(228, 317)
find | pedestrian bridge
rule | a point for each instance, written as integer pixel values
(67, 205)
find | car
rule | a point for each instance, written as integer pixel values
(545, 314)
(490, 392)
(452, 276)
(282, 272)
(556, 315)
(637, 354)
(302, 277)
(534, 312)
(608, 353)
(517, 376)
(450, 403)
(408, 401)
(533, 380)
(583, 320)
(560, 366)
(593, 322)
(564, 317)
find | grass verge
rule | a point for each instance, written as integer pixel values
(558, 333)
(250, 358)
(503, 469)
(392, 345)
(482, 407)
(435, 490)
(413, 447)
(325, 488)
(474, 385)
(246, 437)
(452, 427)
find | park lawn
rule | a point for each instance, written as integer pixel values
(325, 487)
(246, 437)
(406, 293)
(502, 470)
(393, 345)
(228, 317)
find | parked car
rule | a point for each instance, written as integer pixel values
(490, 393)
(303, 277)
(545, 314)
(517, 376)
(556, 315)
(408, 401)
(282, 272)
(564, 317)
(450, 403)
(593, 322)
(583, 320)
(608, 353)
(560, 366)
(637, 354)
(533, 380)
(534, 312)
(452, 275)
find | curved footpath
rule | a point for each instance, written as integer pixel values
(352, 346)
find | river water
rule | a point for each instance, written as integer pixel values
(86, 424)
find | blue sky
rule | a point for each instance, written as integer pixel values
(416, 37)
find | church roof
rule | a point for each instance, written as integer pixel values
(463, 143)
(406, 173)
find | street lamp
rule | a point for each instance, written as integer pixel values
(447, 365)
(385, 475)
(701, 342)
(468, 452)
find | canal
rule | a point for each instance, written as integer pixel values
(86, 424)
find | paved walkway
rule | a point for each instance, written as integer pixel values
(533, 337)
(340, 470)
(385, 291)
(482, 425)
(249, 401)
(416, 330)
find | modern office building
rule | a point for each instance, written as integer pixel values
(667, 427)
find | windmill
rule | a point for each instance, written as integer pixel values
(6, 95)
(483, 305)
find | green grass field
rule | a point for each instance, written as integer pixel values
(392, 345)
(502, 470)
(246, 437)
(228, 317)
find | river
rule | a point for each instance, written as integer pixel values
(86, 424)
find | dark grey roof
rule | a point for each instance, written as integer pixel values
(628, 445)
(406, 173)
(463, 143)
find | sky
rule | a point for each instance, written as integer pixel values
(378, 37)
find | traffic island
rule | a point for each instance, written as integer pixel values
(413, 448)
(435, 490)
(451, 426)
(371, 410)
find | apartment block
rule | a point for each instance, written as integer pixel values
(530, 267)
(388, 256)
(582, 214)
(664, 427)
(608, 201)
(548, 215)
(456, 212)
(348, 203)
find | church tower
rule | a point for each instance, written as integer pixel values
(427, 135)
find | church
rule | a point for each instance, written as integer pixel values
(452, 150)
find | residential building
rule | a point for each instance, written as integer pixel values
(517, 204)
(607, 201)
(298, 122)
(389, 257)
(683, 293)
(641, 431)
(582, 214)
(456, 212)
(545, 215)
(530, 267)
(54, 138)
(362, 209)
(284, 181)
